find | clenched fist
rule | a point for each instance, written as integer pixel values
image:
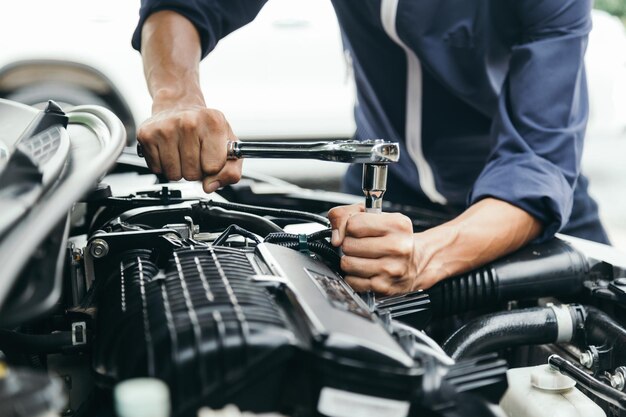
(189, 141)
(380, 251)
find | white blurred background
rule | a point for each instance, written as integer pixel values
(284, 76)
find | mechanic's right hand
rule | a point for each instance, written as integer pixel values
(190, 142)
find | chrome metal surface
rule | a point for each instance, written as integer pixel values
(374, 184)
(347, 151)
(99, 248)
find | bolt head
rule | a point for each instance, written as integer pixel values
(99, 248)
(586, 359)
(617, 381)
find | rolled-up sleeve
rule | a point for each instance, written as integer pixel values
(542, 114)
(213, 19)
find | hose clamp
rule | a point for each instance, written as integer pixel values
(564, 323)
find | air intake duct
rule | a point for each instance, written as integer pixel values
(550, 269)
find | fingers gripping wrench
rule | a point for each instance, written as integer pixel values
(375, 155)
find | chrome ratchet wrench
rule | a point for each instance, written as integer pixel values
(375, 155)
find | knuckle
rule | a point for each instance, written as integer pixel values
(381, 286)
(142, 134)
(394, 269)
(336, 215)
(352, 225)
(403, 222)
(345, 263)
(387, 269)
(164, 130)
(333, 214)
(188, 125)
(348, 245)
(402, 248)
(214, 119)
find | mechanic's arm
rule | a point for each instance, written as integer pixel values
(382, 254)
(525, 190)
(184, 139)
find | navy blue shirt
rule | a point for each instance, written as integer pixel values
(487, 98)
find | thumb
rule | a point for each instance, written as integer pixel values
(338, 217)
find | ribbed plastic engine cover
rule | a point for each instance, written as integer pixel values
(265, 329)
(200, 327)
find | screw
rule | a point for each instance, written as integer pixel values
(586, 359)
(99, 248)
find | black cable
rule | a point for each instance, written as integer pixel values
(603, 391)
(322, 234)
(266, 211)
(16, 342)
(325, 251)
(315, 242)
(232, 230)
(289, 237)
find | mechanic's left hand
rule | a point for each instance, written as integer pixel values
(381, 253)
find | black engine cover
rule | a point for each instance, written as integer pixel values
(267, 329)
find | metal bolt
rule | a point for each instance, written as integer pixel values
(586, 359)
(99, 248)
(618, 379)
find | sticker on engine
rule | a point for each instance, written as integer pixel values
(338, 403)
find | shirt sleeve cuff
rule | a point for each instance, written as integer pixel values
(531, 183)
(197, 16)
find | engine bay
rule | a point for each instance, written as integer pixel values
(237, 298)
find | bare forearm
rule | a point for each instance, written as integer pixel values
(183, 138)
(171, 55)
(486, 231)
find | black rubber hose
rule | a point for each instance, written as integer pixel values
(16, 342)
(600, 329)
(324, 250)
(502, 330)
(266, 211)
(603, 330)
(212, 217)
(598, 388)
(550, 269)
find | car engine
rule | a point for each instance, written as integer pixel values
(113, 276)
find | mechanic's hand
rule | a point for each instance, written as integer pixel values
(189, 141)
(381, 253)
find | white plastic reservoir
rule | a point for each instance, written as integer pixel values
(539, 391)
